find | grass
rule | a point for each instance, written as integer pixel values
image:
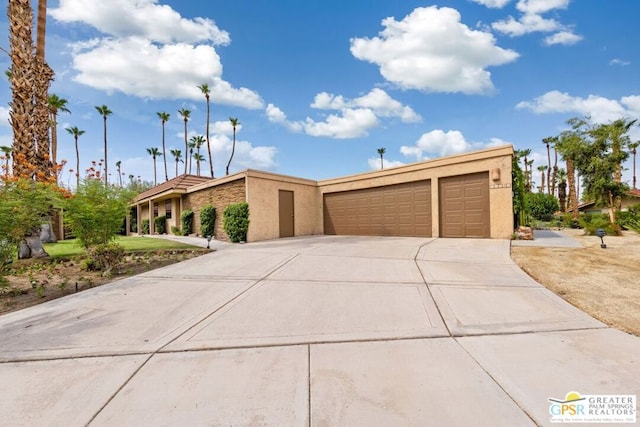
(65, 248)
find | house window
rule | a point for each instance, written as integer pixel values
(155, 210)
(167, 209)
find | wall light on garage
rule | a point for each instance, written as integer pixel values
(495, 174)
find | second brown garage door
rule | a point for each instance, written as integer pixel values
(391, 210)
(464, 205)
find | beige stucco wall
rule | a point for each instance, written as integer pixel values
(262, 196)
(489, 160)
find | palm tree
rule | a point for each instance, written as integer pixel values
(118, 164)
(524, 154)
(105, 112)
(530, 175)
(43, 76)
(542, 169)
(634, 148)
(381, 152)
(7, 156)
(154, 153)
(56, 105)
(234, 124)
(185, 114)
(177, 155)
(205, 90)
(192, 145)
(199, 158)
(76, 133)
(562, 189)
(547, 141)
(164, 118)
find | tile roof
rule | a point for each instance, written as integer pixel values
(178, 184)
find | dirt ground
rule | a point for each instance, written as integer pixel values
(602, 282)
(35, 281)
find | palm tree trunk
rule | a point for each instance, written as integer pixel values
(186, 144)
(549, 169)
(155, 175)
(555, 170)
(208, 143)
(77, 162)
(106, 163)
(573, 197)
(634, 168)
(164, 155)
(233, 149)
(381, 162)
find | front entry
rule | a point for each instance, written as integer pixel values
(286, 213)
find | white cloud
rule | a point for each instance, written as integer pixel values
(439, 143)
(525, 25)
(620, 62)
(565, 38)
(224, 127)
(494, 4)
(541, 6)
(150, 51)
(600, 109)
(141, 18)
(431, 50)
(356, 116)
(374, 163)
(4, 117)
(246, 155)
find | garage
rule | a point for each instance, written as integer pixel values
(391, 210)
(464, 206)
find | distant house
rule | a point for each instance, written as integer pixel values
(632, 198)
(465, 195)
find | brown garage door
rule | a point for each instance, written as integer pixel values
(464, 205)
(392, 210)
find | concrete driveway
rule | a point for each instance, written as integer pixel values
(322, 331)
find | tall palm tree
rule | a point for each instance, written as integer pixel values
(164, 118)
(186, 115)
(198, 158)
(56, 105)
(154, 153)
(192, 145)
(542, 170)
(7, 156)
(562, 189)
(234, 124)
(381, 152)
(554, 175)
(177, 155)
(205, 90)
(525, 154)
(634, 148)
(42, 80)
(76, 133)
(530, 175)
(105, 112)
(118, 164)
(548, 141)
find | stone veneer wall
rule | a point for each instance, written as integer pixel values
(219, 197)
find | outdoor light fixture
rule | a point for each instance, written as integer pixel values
(601, 233)
(208, 240)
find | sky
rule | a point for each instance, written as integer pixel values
(319, 85)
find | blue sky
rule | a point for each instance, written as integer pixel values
(318, 86)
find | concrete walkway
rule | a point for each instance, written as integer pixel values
(321, 331)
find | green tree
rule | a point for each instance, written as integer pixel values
(198, 158)
(154, 153)
(204, 88)
(542, 206)
(234, 124)
(56, 105)
(186, 115)
(177, 155)
(542, 169)
(76, 134)
(95, 212)
(381, 152)
(192, 144)
(164, 118)
(105, 112)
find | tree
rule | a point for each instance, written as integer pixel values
(381, 152)
(56, 105)
(205, 90)
(548, 141)
(198, 158)
(76, 134)
(185, 114)
(562, 189)
(524, 155)
(6, 151)
(234, 124)
(154, 153)
(542, 170)
(568, 145)
(177, 155)
(43, 76)
(197, 141)
(105, 112)
(118, 164)
(634, 148)
(164, 117)
(530, 175)
(192, 145)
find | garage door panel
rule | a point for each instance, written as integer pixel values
(393, 210)
(464, 206)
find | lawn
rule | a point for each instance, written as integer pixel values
(66, 248)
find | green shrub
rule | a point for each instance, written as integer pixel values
(567, 220)
(134, 225)
(236, 221)
(542, 206)
(145, 226)
(160, 223)
(104, 257)
(207, 221)
(176, 231)
(186, 220)
(592, 222)
(630, 219)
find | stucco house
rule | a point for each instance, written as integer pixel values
(465, 195)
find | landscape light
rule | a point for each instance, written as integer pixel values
(601, 233)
